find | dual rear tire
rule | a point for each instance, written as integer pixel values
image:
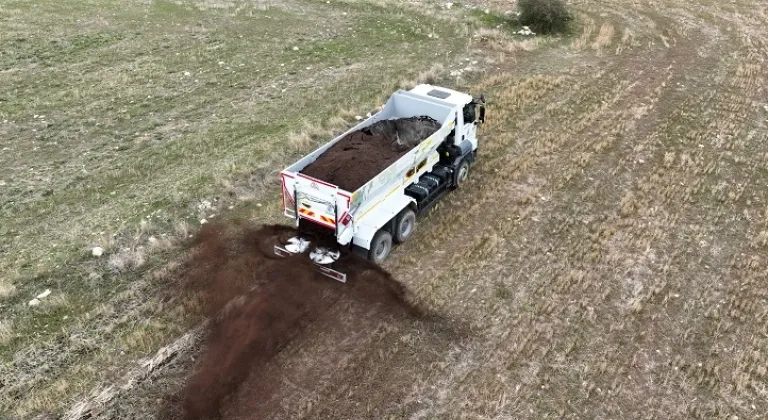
(405, 223)
(383, 240)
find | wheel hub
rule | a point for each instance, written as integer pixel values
(406, 229)
(463, 174)
(382, 248)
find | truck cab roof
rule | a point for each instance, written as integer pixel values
(449, 96)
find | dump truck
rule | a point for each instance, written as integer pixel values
(382, 212)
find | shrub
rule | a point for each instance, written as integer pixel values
(544, 16)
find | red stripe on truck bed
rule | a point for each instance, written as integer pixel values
(319, 222)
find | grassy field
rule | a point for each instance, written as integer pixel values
(124, 124)
(608, 254)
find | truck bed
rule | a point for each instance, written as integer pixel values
(340, 188)
(360, 155)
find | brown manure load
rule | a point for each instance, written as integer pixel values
(362, 154)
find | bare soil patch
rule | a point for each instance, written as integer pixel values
(259, 302)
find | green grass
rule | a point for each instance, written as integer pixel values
(494, 19)
(113, 113)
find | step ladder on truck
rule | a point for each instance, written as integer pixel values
(383, 211)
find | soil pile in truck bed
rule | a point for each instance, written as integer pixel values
(362, 154)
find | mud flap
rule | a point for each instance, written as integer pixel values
(326, 271)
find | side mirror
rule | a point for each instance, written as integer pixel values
(481, 108)
(481, 117)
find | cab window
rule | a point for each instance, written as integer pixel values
(469, 113)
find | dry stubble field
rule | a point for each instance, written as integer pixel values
(607, 260)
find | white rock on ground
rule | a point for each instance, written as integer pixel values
(97, 251)
(205, 205)
(44, 294)
(203, 221)
(34, 302)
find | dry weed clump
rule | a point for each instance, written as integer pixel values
(6, 331)
(338, 123)
(761, 239)
(299, 140)
(430, 76)
(604, 36)
(497, 40)
(128, 258)
(311, 134)
(489, 34)
(55, 302)
(586, 34)
(160, 244)
(182, 229)
(7, 288)
(628, 205)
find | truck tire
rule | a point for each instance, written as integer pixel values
(462, 172)
(381, 245)
(405, 225)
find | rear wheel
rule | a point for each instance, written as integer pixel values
(380, 246)
(462, 173)
(405, 225)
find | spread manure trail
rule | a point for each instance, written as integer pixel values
(257, 302)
